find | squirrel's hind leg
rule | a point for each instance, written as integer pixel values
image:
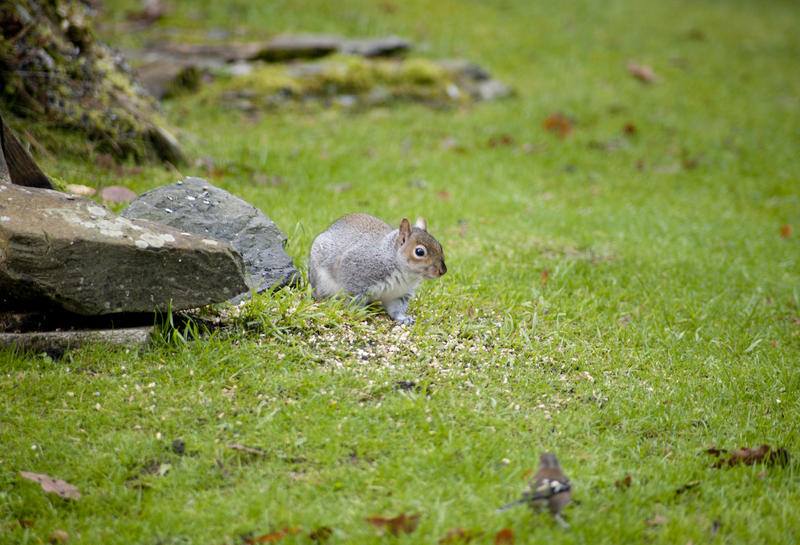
(397, 308)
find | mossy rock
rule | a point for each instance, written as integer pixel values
(366, 81)
(56, 73)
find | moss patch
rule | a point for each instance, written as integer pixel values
(347, 80)
(55, 71)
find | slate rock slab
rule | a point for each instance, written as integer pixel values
(196, 206)
(56, 343)
(286, 47)
(376, 47)
(69, 252)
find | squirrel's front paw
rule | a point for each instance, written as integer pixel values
(405, 320)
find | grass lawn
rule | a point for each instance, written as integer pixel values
(626, 298)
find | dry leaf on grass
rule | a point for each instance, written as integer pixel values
(558, 124)
(624, 482)
(81, 190)
(641, 72)
(504, 537)
(460, 535)
(750, 456)
(57, 486)
(786, 231)
(443, 195)
(272, 537)
(400, 523)
(321, 534)
(500, 140)
(58, 536)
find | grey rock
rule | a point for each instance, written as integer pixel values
(66, 252)
(299, 46)
(475, 80)
(345, 101)
(196, 206)
(492, 90)
(58, 342)
(462, 69)
(377, 47)
(206, 55)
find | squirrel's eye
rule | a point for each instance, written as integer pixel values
(419, 251)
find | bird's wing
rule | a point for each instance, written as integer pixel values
(547, 488)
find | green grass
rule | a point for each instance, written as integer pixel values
(668, 323)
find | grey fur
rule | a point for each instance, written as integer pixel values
(365, 258)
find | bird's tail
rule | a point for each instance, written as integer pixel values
(510, 505)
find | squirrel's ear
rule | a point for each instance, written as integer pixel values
(421, 223)
(405, 230)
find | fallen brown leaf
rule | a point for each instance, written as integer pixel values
(558, 124)
(545, 276)
(400, 523)
(443, 195)
(460, 535)
(641, 72)
(272, 537)
(504, 537)
(629, 128)
(58, 536)
(57, 486)
(501, 140)
(786, 231)
(321, 534)
(624, 482)
(750, 456)
(81, 190)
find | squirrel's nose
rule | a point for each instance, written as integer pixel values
(442, 269)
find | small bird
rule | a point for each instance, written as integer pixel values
(548, 488)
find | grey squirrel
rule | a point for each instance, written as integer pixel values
(364, 257)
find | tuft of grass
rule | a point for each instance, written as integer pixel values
(622, 296)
